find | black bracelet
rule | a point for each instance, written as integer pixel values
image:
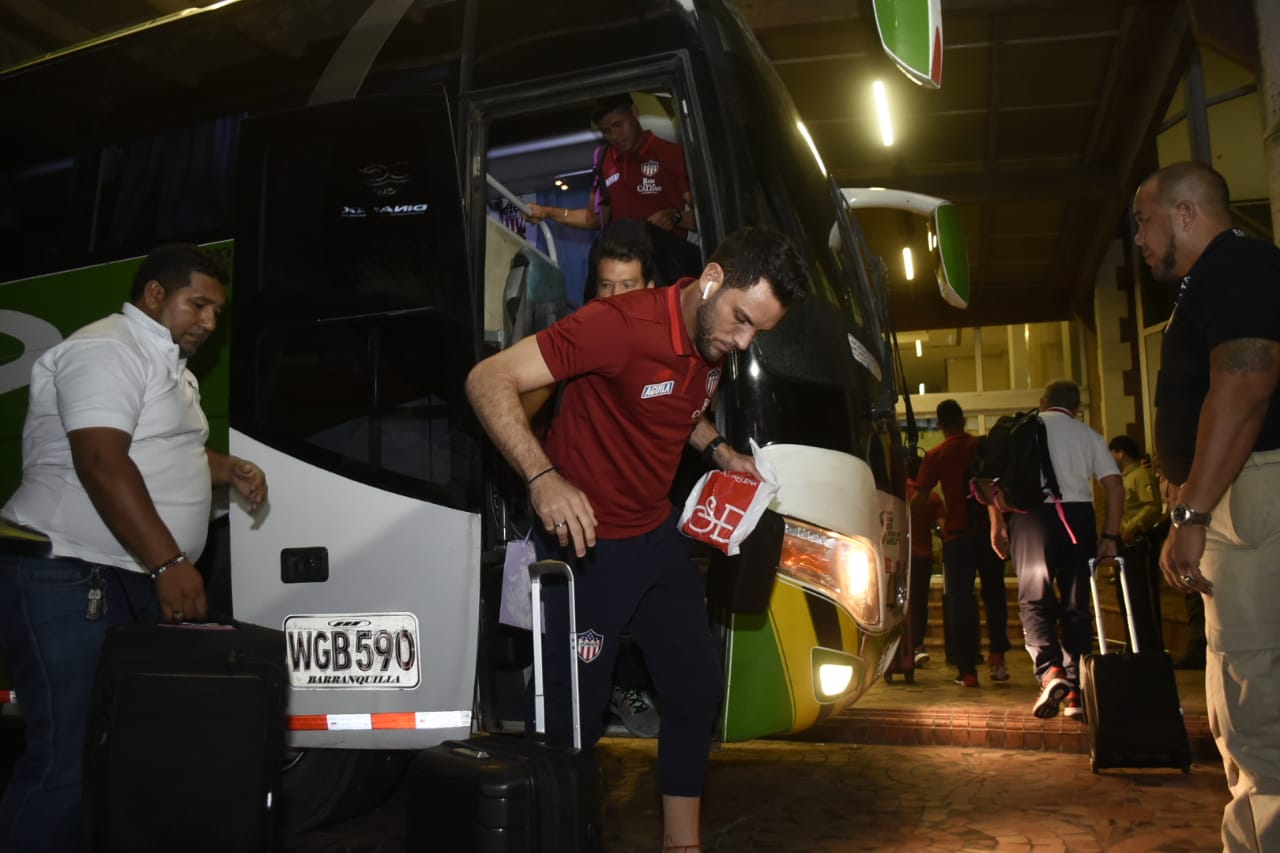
(539, 474)
(167, 564)
(709, 452)
(1114, 537)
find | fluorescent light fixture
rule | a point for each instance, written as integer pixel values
(921, 389)
(907, 266)
(882, 112)
(919, 348)
(804, 131)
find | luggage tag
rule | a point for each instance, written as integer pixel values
(516, 607)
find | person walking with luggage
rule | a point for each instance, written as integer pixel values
(1051, 546)
(639, 373)
(1142, 512)
(1218, 440)
(963, 543)
(110, 516)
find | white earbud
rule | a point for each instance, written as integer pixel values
(706, 288)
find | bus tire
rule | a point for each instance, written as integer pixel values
(323, 786)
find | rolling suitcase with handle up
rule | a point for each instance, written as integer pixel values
(1131, 700)
(509, 794)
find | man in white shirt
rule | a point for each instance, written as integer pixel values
(1052, 544)
(111, 514)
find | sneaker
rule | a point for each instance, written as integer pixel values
(1072, 707)
(922, 657)
(967, 679)
(1053, 690)
(999, 672)
(636, 710)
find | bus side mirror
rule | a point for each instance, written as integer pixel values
(950, 257)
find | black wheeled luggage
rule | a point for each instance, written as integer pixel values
(509, 794)
(1131, 701)
(186, 738)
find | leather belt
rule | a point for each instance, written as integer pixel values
(19, 541)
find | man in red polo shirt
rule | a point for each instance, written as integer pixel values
(966, 553)
(637, 176)
(640, 370)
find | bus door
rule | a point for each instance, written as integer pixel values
(352, 333)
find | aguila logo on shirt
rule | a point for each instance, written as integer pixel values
(713, 379)
(658, 389)
(589, 644)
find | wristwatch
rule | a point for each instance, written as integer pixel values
(1183, 514)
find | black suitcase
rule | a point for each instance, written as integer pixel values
(1131, 701)
(509, 794)
(185, 738)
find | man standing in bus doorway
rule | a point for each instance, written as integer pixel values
(1218, 439)
(640, 371)
(640, 176)
(965, 552)
(110, 516)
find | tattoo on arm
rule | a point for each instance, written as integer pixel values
(1246, 355)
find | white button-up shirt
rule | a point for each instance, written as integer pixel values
(123, 372)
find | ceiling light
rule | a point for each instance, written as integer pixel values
(919, 348)
(908, 267)
(882, 112)
(804, 131)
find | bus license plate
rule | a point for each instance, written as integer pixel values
(354, 651)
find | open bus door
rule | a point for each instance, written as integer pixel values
(352, 338)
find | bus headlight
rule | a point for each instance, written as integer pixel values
(842, 567)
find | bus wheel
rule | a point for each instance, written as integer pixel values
(322, 786)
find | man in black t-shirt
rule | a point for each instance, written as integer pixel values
(1218, 438)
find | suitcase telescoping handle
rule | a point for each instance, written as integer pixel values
(1097, 606)
(536, 571)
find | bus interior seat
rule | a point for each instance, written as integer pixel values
(534, 296)
(524, 291)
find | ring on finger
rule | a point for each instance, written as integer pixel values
(560, 524)
(177, 616)
(1187, 579)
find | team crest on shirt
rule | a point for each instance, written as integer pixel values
(713, 379)
(589, 644)
(648, 186)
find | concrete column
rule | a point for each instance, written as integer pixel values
(1268, 17)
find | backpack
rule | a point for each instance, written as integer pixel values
(1014, 472)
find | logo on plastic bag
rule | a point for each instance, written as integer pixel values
(725, 506)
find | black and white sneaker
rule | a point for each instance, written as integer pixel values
(1054, 689)
(637, 712)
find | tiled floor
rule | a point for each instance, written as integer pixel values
(837, 789)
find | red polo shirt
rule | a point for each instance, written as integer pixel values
(646, 180)
(948, 463)
(634, 388)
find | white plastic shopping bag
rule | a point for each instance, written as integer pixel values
(725, 506)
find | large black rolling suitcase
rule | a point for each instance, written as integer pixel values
(508, 794)
(186, 738)
(1131, 700)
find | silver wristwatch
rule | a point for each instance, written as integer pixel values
(1183, 514)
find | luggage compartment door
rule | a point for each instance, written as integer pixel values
(352, 333)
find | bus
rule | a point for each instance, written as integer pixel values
(359, 162)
